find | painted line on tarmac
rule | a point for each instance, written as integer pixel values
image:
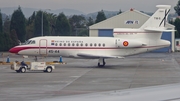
(76, 78)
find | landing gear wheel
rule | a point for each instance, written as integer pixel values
(101, 65)
(49, 69)
(101, 62)
(18, 71)
(23, 70)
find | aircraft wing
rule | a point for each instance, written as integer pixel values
(85, 55)
(169, 92)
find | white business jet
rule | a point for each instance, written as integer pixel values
(129, 42)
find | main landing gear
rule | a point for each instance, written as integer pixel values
(101, 62)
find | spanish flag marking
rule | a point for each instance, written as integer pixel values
(125, 43)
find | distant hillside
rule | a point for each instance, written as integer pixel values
(29, 11)
(107, 13)
(4, 16)
(68, 12)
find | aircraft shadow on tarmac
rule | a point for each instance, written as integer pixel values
(109, 66)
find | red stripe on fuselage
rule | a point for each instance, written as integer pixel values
(134, 32)
(18, 49)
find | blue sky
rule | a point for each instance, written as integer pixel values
(88, 6)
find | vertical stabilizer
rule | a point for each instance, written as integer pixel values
(158, 20)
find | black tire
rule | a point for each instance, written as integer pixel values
(49, 69)
(101, 65)
(23, 69)
(17, 71)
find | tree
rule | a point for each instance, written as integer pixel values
(14, 38)
(62, 25)
(177, 8)
(78, 23)
(6, 25)
(18, 23)
(90, 21)
(1, 23)
(52, 21)
(38, 24)
(30, 31)
(177, 27)
(1, 33)
(100, 16)
(30, 26)
(119, 12)
(31, 19)
(3, 44)
(83, 32)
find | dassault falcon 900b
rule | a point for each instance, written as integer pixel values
(129, 42)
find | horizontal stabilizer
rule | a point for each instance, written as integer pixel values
(158, 29)
(97, 56)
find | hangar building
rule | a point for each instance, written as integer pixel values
(126, 20)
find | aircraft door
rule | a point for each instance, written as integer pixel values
(117, 43)
(43, 47)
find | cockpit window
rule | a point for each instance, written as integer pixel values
(33, 42)
(28, 42)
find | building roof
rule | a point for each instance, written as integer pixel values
(119, 21)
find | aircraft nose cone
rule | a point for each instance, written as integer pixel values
(14, 50)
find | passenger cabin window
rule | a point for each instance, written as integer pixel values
(95, 44)
(69, 44)
(99, 45)
(86, 44)
(72, 44)
(90, 44)
(81, 44)
(56, 44)
(77, 44)
(64, 44)
(103, 44)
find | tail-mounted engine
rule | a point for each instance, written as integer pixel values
(122, 43)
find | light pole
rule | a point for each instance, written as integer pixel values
(42, 22)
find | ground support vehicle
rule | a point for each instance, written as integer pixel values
(33, 66)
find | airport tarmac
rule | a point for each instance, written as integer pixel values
(80, 76)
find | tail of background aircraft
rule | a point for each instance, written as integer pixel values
(152, 28)
(158, 20)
